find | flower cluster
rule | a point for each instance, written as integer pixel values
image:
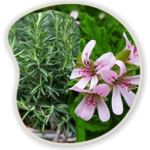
(100, 77)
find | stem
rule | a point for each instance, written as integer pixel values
(56, 33)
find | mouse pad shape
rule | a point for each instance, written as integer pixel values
(74, 89)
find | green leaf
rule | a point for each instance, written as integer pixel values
(34, 99)
(30, 55)
(35, 88)
(129, 73)
(56, 38)
(37, 115)
(61, 106)
(42, 91)
(111, 29)
(26, 43)
(13, 43)
(67, 131)
(43, 127)
(62, 123)
(45, 78)
(19, 53)
(73, 34)
(28, 33)
(129, 64)
(81, 134)
(30, 65)
(22, 105)
(43, 71)
(45, 39)
(79, 63)
(72, 83)
(90, 27)
(72, 127)
(62, 111)
(25, 115)
(23, 78)
(43, 104)
(124, 55)
(134, 87)
(69, 27)
(44, 57)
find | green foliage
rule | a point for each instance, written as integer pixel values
(124, 55)
(93, 31)
(46, 46)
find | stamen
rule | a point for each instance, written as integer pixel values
(86, 62)
(84, 72)
(88, 71)
(125, 83)
(91, 101)
(112, 79)
(99, 64)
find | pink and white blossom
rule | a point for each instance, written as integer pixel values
(86, 107)
(90, 71)
(134, 57)
(121, 85)
(75, 14)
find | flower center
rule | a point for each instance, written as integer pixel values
(121, 82)
(86, 62)
(91, 101)
(88, 71)
(112, 79)
(98, 66)
(125, 83)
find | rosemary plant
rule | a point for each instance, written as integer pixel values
(46, 46)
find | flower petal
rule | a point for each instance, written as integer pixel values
(78, 22)
(136, 60)
(87, 111)
(77, 89)
(79, 108)
(94, 82)
(128, 44)
(116, 102)
(87, 51)
(133, 79)
(103, 110)
(108, 75)
(131, 57)
(83, 82)
(135, 50)
(106, 60)
(122, 67)
(101, 89)
(74, 14)
(128, 96)
(75, 73)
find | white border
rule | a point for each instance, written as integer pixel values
(18, 75)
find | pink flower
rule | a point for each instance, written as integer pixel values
(49, 10)
(90, 71)
(134, 57)
(86, 107)
(74, 14)
(120, 86)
